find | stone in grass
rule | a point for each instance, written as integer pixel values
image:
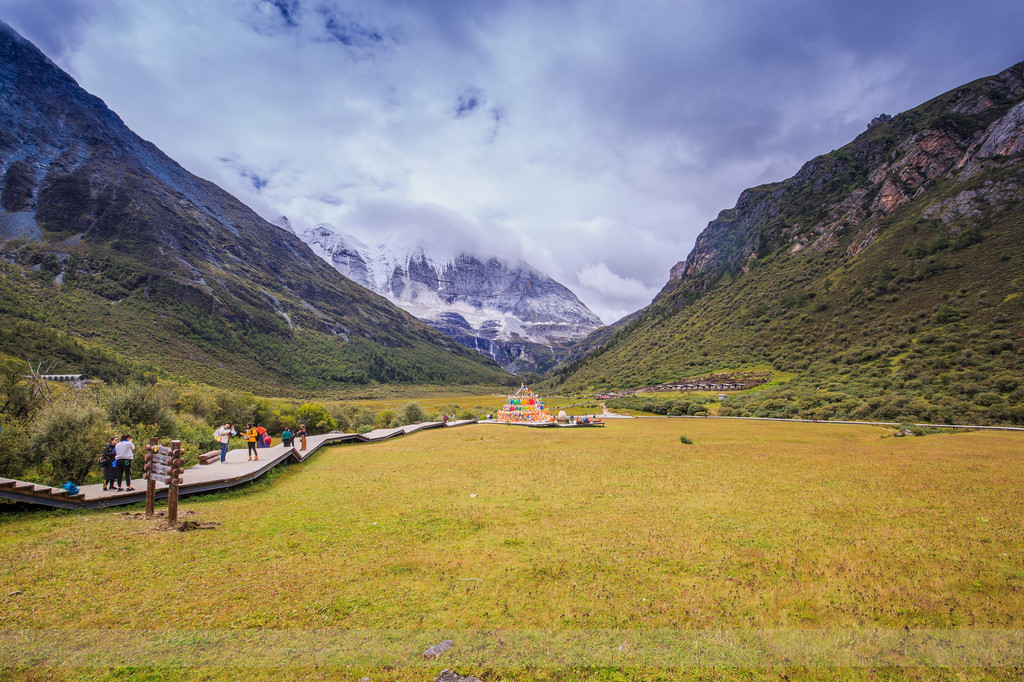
(449, 675)
(438, 649)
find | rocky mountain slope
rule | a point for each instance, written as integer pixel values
(112, 250)
(512, 313)
(884, 279)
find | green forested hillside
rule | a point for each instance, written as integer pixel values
(887, 276)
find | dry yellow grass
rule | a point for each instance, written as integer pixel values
(488, 528)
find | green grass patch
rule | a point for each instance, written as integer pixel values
(483, 529)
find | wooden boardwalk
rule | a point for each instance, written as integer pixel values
(235, 470)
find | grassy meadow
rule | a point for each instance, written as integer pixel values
(507, 539)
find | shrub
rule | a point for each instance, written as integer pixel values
(685, 441)
(410, 413)
(316, 418)
(16, 455)
(69, 438)
(196, 437)
(234, 408)
(987, 398)
(198, 401)
(139, 404)
(356, 417)
(18, 399)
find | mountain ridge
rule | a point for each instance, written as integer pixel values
(508, 310)
(97, 222)
(887, 270)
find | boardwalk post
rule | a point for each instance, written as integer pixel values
(176, 471)
(150, 483)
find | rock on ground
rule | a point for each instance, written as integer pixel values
(449, 675)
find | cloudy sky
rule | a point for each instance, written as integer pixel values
(593, 138)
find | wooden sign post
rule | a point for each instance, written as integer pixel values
(150, 483)
(176, 472)
(164, 464)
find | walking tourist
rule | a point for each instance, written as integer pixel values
(301, 433)
(261, 436)
(109, 464)
(124, 453)
(288, 438)
(223, 437)
(251, 434)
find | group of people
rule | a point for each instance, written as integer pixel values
(119, 452)
(256, 437)
(116, 461)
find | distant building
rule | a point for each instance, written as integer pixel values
(73, 379)
(63, 377)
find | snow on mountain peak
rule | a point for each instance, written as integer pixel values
(489, 298)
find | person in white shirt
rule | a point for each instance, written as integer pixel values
(124, 453)
(223, 436)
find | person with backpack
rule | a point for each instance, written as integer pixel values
(124, 453)
(108, 463)
(251, 434)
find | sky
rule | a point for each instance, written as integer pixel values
(594, 139)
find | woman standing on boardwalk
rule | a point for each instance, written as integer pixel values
(109, 464)
(251, 434)
(301, 433)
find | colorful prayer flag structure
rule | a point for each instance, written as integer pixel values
(524, 407)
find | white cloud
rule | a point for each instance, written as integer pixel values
(593, 139)
(611, 295)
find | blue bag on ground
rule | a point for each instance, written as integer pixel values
(71, 488)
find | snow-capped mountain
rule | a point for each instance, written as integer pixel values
(510, 311)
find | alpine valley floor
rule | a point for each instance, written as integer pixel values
(763, 549)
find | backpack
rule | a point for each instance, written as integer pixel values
(71, 488)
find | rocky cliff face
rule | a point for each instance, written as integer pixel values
(211, 289)
(510, 312)
(841, 199)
